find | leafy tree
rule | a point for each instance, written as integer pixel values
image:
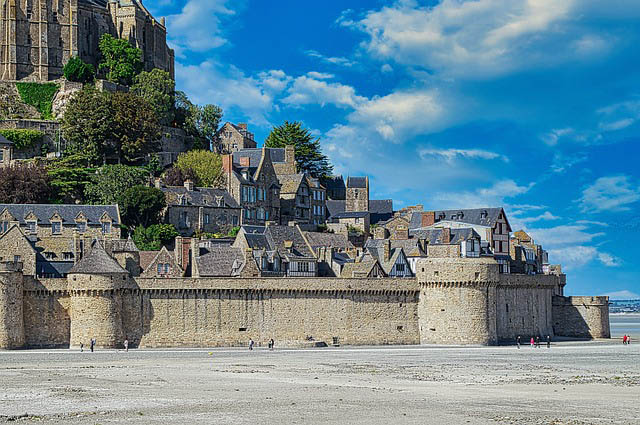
(200, 122)
(87, 124)
(24, 184)
(135, 127)
(68, 179)
(309, 157)
(121, 60)
(158, 88)
(152, 238)
(112, 181)
(176, 177)
(79, 71)
(206, 165)
(141, 206)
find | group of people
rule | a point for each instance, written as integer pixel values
(535, 342)
(626, 340)
(252, 343)
(92, 345)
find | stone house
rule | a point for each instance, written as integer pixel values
(160, 264)
(490, 223)
(279, 250)
(333, 250)
(252, 181)
(391, 258)
(196, 210)
(462, 242)
(526, 256)
(58, 233)
(336, 188)
(357, 200)
(302, 199)
(232, 138)
(6, 151)
(351, 222)
(367, 268)
(38, 38)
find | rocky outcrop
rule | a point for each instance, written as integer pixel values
(11, 105)
(62, 98)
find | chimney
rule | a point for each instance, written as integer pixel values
(244, 161)
(188, 184)
(446, 235)
(163, 21)
(387, 249)
(379, 233)
(428, 218)
(177, 251)
(227, 163)
(242, 126)
(401, 233)
(290, 158)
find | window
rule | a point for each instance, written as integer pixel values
(167, 268)
(67, 256)
(106, 227)
(32, 227)
(207, 219)
(17, 258)
(400, 268)
(56, 227)
(81, 226)
(1, 155)
(160, 268)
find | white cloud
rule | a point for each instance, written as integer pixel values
(551, 138)
(450, 155)
(623, 295)
(386, 68)
(198, 25)
(613, 193)
(493, 196)
(334, 60)
(546, 216)
(307, 90)
(609, 260)
(320, 75)
(573, 257)
(566, 234)
(592, 222)
(474, 39)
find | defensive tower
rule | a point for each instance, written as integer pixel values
(11, 305)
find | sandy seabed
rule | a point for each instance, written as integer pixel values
(571, 383)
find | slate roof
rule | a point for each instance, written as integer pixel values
(479, 216)
(335, 207)
(146, 258)
(221, 261)
(200, 197)
(434, 236)
(333, 240)
(5, 141)
(56, 268)
(255, 156)
(353, 214)
(125, 245)
(273, 238)
(290, 182)
(381, 210)
(334, 182)
(411, 247)
(357, 182)
(361, 268)
(375, 250)
(67, 212)
(97, 262)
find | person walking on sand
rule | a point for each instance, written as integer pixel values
(533, 343)
(81, 347)
(251, 344)
(624, 340)
(548, 341)
(518, 341)
(93, 344)
(271, 344)
(537, 342)
(126, 345)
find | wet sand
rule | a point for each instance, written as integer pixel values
(571, 383)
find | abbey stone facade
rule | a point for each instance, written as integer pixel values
(38, 37)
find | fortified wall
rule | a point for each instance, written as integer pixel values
(452, 301)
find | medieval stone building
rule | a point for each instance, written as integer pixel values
(37, 37)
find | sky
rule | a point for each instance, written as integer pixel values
(529, 105)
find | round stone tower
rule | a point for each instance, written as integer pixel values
(96, 284)
(457, 300)
(11, 299)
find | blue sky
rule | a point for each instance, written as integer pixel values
(531, 105)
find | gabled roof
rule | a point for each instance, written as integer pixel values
(335, 207)
(411, 247)
(434, 236)
(200, 197)
(221, 261)
(255, 156)
(361, 268)
(125, 245)
(479, 216)
(357, 182)
(377, 252)
(97, 261)
(4, 141)
(380, 210)
(68, 213)
(290, 183)
(332, 240)
(276, 238)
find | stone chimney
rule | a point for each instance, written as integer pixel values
(446, 235)
(227, 163)
(401, 233)
(379, 233)
(428, 218)
(244, 161)
(188, 184)
(387, 249)
(242, 126)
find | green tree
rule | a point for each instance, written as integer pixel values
(135, 130)
(309, 157)
(152, 238)
(68, 179)
(121, 61)
(158, 88)
(24, 184)
(176, 177)
(111, 181)
(206, 165)
(200, 122)
(79, 71)
(87, 124)
(141, 206)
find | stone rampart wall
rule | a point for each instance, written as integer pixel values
(581, 317)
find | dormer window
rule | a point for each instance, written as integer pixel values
(81, 226)
(183, 200)
(56, 227)
(32, 227)
(106, 227)
(4, 226)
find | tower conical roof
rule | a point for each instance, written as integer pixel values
(97, 262)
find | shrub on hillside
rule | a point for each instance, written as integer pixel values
(79, 71)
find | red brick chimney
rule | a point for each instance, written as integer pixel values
(227, 163)
(428, 218)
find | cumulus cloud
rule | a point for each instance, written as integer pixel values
(493, 196)
(613, 193)
(198, 26)
(477, 38)
(450, 155)
(566, 234)
(309, 90)
(334, 60)
(625, 294)
(573, 257)
(546, 216)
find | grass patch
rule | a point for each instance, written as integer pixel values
(21, 138)
(40, 96)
